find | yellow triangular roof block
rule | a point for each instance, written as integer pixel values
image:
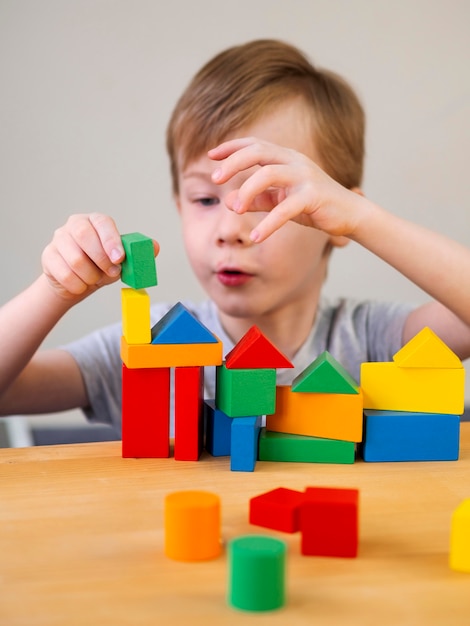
(427, 350)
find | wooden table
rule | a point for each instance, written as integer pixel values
(81, 542)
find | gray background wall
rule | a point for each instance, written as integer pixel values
(87, 88)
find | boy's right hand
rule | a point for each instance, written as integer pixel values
(84, 255)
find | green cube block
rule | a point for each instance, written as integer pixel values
(274, 446)
(138, 268)
(245, 392)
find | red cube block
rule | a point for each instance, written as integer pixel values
(277, 509)
(329, 522)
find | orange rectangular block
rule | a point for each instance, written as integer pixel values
(170, 355)
(327, 415)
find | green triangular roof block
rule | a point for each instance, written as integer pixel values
(325, 375)
(180, 326)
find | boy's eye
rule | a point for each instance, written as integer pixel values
(207, 202)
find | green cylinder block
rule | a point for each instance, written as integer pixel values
(256, 573)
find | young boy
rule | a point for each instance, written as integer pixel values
(261, 213)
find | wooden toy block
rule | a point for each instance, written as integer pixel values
(257, 566)
(189, 415)
(138, 268)
(218, 430)
(406, 436)
(329, 522)
(135, 315)
(325, 415)
(253, 351)
(245, 392)
(192, 525)
(180, 326)
(426, 349)
(244, 443)
(325, 375)
(277, 509)
(289, 448)
(459, 555)
(388, 387)
(145, 413)
(170, 355)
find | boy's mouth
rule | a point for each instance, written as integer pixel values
(231, 277)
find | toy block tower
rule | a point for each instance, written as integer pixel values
(413, 403)
(245, 391)
(145, 392)
(148, 354)
(318, 418)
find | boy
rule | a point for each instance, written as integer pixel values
(266, 158)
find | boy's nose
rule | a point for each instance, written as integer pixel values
(234, 229)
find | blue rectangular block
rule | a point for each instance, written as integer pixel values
(218, 430)
(407, 436)
(244, 447)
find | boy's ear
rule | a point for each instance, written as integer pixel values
(339, 241)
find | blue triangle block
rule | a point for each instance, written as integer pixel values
(179, 326)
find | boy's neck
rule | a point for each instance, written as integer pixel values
(287, 330)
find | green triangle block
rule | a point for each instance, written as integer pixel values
(325, 375)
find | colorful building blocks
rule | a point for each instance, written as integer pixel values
(192, 522)
(244, 443)
(285, 447)
(408, 436)
(138, 268)
(329, 522)
(257, 566)
(245, 392)
(145, 413)
(459, 555)
(277, 509)
(179, 326)
(135, 315)
(326, 415)
(255, 351)
(325, 375)
(218, 430)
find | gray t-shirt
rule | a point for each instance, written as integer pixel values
(352, 332)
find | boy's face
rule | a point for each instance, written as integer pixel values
(244, 279)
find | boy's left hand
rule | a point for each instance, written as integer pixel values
(287, 184)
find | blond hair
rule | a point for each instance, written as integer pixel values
(242, 83)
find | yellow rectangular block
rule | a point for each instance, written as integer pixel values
(387, 387)
(135, 305)
(327, 415)
(459, 554)
(170, 355)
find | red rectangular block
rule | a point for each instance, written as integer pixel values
(189, 413)
(277, 509)
(145, 413)
(329, 522)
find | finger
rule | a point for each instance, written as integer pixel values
(249, 155)
(76, 259)
(97, 236)
(223, 150)
(60, 274)
(271, 182)
(284, 212)
(109, 236)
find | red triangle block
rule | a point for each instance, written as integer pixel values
(255, 351)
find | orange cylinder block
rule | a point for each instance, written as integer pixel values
(192, 526)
